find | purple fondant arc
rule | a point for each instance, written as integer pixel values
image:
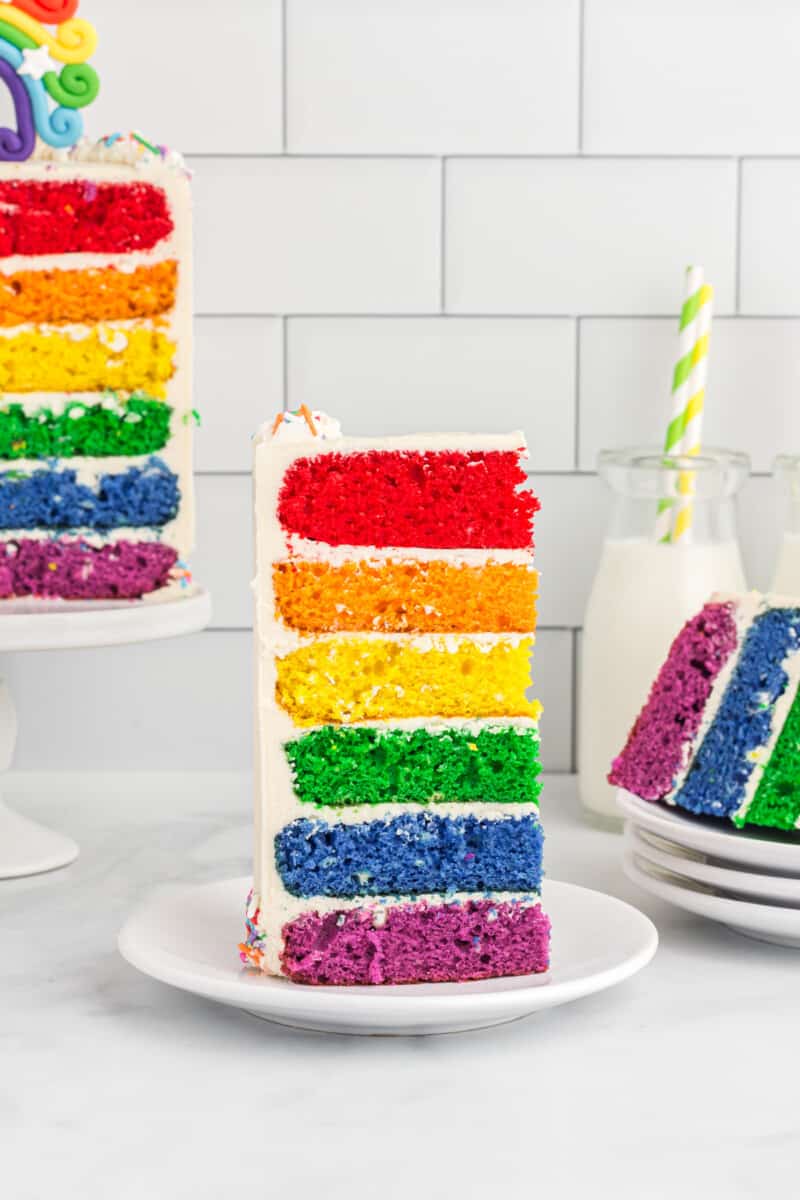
(18, 144)
(657, 745)
(417, 943)
(74, 570)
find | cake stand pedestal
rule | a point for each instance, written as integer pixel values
(27, 848)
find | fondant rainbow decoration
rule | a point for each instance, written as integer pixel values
(398, 834)
(46, 73)
(720, 732)
(95, 366)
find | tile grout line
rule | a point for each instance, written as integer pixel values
(431, 314)
(574, 705)
(443, 238)
(284, 89)
(577, 426)
(285, 364)
(488, 156)
(581, 67)
(738, 263)
(536, 473)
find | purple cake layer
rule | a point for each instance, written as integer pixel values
(657, 745)
(74, 570)
(417, 943)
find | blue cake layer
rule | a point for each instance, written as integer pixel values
(53, 499)
(718, 776)
(410, 855)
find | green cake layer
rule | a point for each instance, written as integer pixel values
(139, 425)
(340, 766)
(777, 798)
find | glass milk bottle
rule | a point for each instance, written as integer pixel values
(786, 581)
(644, 591)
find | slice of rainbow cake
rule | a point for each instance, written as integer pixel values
(95, 372)
(397, 825)
(720, 732)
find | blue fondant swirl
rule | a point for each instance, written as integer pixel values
(59, 128)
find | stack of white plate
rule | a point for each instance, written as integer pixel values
(749, 879)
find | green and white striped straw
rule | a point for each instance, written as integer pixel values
(688, 394)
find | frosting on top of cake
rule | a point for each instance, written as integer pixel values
(126, 149)
(301, 425)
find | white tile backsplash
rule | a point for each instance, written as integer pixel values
(163, 70)
(752, 395)
(563, 160)
(238, 384)
(691, 77)
(317, 235)
(444, 78)
(586, 235)
(388, 376)
(770, 236)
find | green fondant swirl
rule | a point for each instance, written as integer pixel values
(139, 425)
(338, 767)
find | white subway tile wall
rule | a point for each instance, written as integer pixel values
(466, 214)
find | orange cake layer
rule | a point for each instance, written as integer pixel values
(95, 294)
(399, 597)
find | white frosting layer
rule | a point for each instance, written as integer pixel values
(296, 427)
(56, 402)
(474, 725)
(82, 261)
(275, 913)
(335, 556)
(123, 149)
(113, 334)
(275, 802)
(284, 641)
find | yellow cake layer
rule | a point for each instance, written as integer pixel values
(336, 680)
(405, 597)
(45, 361)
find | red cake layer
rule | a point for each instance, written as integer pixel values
(44, 217)
(442, 499)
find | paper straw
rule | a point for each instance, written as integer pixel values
(693, 424)
(692, 348)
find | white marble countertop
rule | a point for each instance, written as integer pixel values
(681, 1082)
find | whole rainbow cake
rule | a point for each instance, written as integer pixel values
(95, 334)
(720, 732)
(397, 826)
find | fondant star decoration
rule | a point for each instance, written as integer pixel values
(36, 63)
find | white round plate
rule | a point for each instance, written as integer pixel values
(72, 624)
(767, 889)
(765, 850)
(187, 937)
(766, 922)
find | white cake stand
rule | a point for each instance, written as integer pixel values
(27, 848)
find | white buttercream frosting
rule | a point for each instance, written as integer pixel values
(299, 427)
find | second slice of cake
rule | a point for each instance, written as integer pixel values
(397, 827)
